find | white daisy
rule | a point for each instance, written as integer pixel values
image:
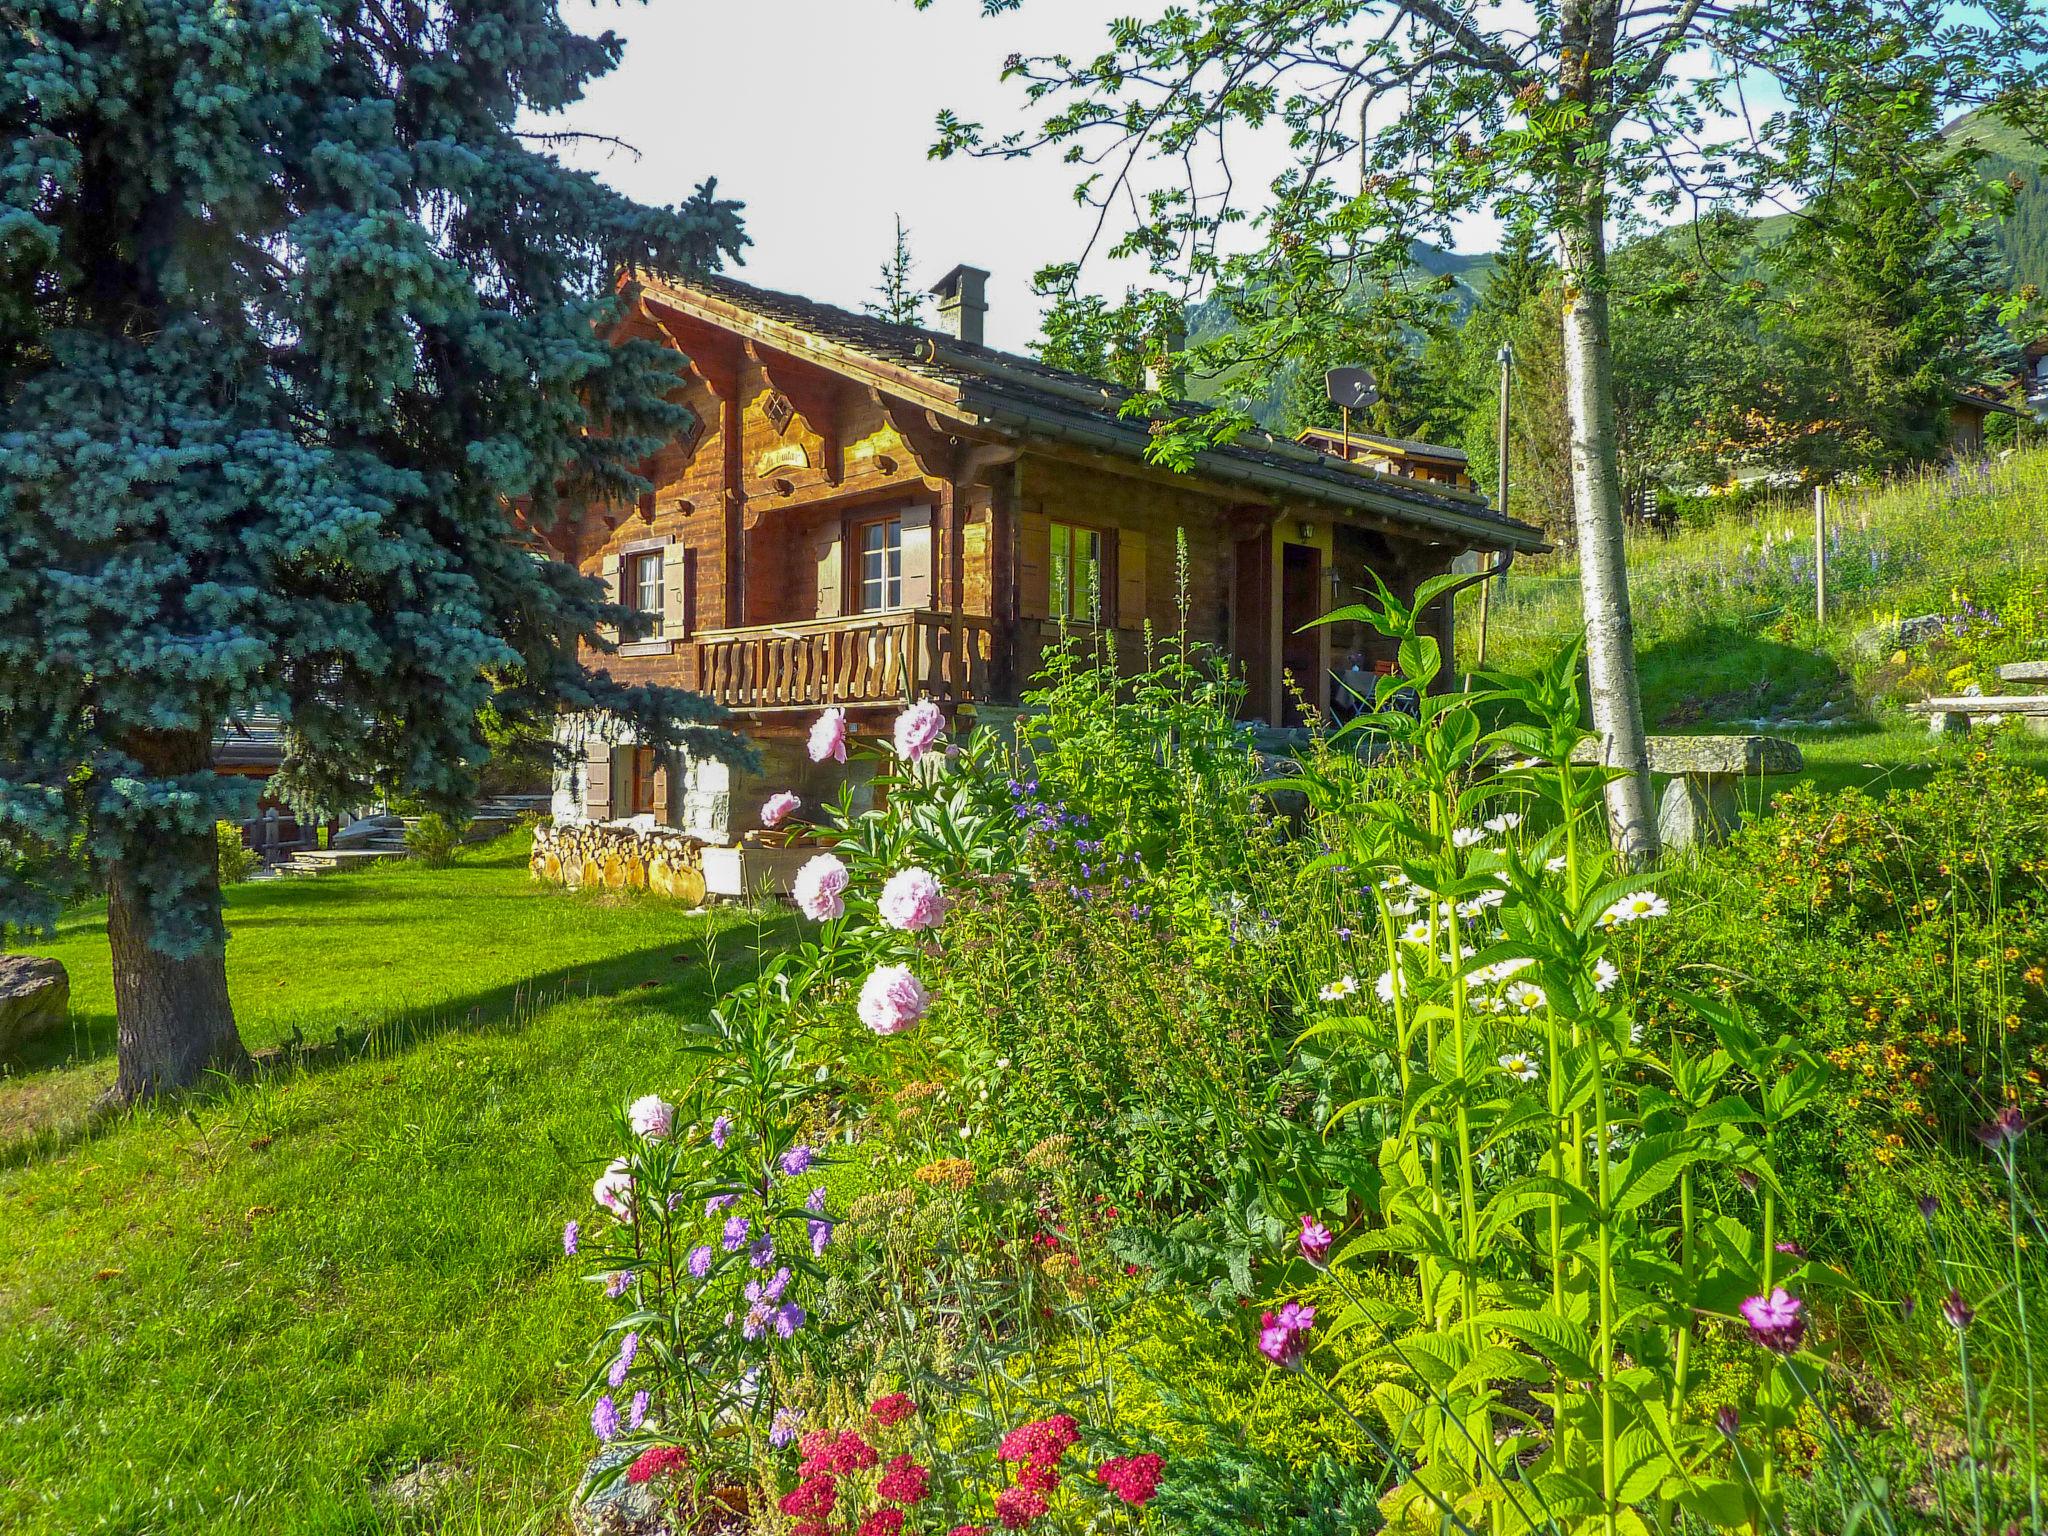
(1635, 907)
(1467, 837)
(1604, 974)
(1394, 882)
(1506, 821)
(1388, 985)
(1465, 952)
(1521, 1065)
(1525, 995)
(1416, 932)
(1338, 990)
(1407, 907)
(1556, 864)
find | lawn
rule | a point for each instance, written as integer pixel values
(252, 1312)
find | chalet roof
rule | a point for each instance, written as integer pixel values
(1019, 397)
(1413, 447)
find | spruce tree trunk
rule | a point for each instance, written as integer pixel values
(174, 1021)
(1596, 504)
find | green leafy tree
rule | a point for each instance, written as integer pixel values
(1399, 115)
(303, 346)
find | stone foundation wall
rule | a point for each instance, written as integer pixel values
(620, 856)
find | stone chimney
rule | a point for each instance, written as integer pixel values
(963, 301)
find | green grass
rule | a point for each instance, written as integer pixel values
(249, 1312)
(1725, 627)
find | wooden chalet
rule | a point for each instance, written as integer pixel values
(864, 514)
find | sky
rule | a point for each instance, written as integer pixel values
(818, 114)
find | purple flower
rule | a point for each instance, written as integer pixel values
(1960, 1313)
(797, 1159)
(756, 1321)
(1928, 1206)
(1788, 1246)
(784, 1429)
(777, 1285)
(1283, 1339)
(604, 1418)
(761, 1251)
(719, 1203)
(1316, 1240)
(821, 1234)
(788, 1318)
(615, 1287)
(1907, 1305)
(638, 1411)
(700, 1262)
(628, 1347)
(1727, 1420)
(736, 1229)
(814, 1202)
(1776, 1321)
(720, 1129)
(572, 1232)
(2003, 1128)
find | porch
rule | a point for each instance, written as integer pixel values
(878, 659)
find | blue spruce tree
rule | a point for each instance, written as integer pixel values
(301, 337)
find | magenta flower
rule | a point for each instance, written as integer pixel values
(912, 901)
(1776, 1321)
(614, 1189)
(1960, 1313)
(891, 1000)
(1283, 1338)
(778, 808)
(572, 1234)
(917, 728)
(2003, 1128)
(819, 889)
(1316, 1240)
(828, 736)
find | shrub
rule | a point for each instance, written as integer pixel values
(236, 859)
(433, 838)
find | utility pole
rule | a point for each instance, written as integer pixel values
(1820, 553)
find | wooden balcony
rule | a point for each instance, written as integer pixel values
(879, 659)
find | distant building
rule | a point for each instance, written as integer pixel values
(1968, 411)
(1403, 456)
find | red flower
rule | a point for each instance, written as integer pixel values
(1018, 1507)
(1046, 1440)
(814, 1496)
(834, 1455)
(967, 1530)
(893, 1409)
(657, 1462)
(883, 1522)
(1039, 1476)
(904, 1482)
(1134, 1479)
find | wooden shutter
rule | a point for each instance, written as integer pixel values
(678, 590)
(612, 578)
(917, 557)
(664, 769)
(1130, 579)
(597, 780)
(826, 544)
(1034, 565)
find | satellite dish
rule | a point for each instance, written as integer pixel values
(1351, 388)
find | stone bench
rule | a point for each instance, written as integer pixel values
(1951, 715)
(1703, 802)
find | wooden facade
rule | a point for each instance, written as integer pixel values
(865, 514)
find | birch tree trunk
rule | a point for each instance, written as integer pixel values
(1596, 507)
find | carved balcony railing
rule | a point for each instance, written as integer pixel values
(881, 658)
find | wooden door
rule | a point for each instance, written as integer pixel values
(1301, 651)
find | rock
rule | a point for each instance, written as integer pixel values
(1698, 811)
(620, 1509)
(423, 1485)
(1917, 630)
(35, 999)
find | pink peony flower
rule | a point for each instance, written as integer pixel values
(614, 1189)
(891, 1000)
(828, 736)
(652, 1117)
(917, 728)
(819, 888)
(912, 901)
(777, 809)
(1316, 1240)
(1777, 1321)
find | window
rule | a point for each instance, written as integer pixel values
(643, 584)
(642, 794)
(879, 579)
(1076, 573)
